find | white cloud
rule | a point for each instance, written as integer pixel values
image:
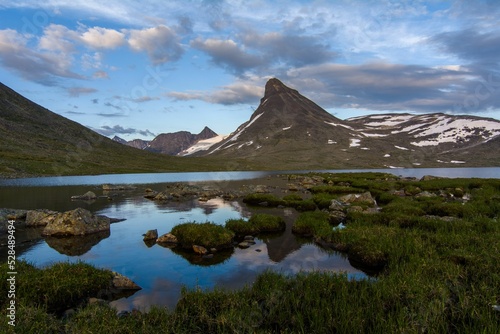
(102, 38)
(160, 43)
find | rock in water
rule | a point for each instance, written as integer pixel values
(199, 250)
(151, 235)
(88, 196)
(121, 282)
(76, 222)
(167, 238)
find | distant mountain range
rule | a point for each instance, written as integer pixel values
(286, 132)
(169, 143)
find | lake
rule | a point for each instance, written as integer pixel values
(162, 272)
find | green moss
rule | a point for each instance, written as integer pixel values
(202, 234)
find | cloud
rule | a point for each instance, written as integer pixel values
(227, 53)
(471, 45)
(118, 129)
(293, 49)
(77, 91)
(102, 38)
(145, 99)
(384, 86)
(33, 65)
(100, 75)
(240, 92)
(160, 43)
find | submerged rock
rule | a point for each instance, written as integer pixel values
(88, 196)
(76, 222)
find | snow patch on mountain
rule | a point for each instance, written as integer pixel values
(354, 142)
(202, 145)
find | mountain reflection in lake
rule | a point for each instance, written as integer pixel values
(162, 271)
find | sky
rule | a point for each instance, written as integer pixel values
(136, 69)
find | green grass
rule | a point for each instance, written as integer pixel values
(267, 223)
(433, 275)
(207, 234)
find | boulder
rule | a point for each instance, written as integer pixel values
(365, 197)
(121, 282)
(425, 194)
(88, 196)
(199, 250)
(40, 217)
(336, 217)
(76, 222)
(151, 235)
(167, 238)
(335, 206)
(244, 244)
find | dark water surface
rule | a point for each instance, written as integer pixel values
(161, 272)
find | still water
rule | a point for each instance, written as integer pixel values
(162, 272)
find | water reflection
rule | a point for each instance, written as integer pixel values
(161, 271)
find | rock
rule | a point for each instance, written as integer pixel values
(336, 217)
(40, 217)
(365, 197)
(208, 256)
(161, 196)
(151, 194)
(293, 187)
(355, 208)
(76, 222)
(68, 313)
(249, 238)
(121, 282)
(167, 238)
(200, 250)
(258, 250)
(429, 177)
(244, 244)
(213, 250)
(425, 194)
(108, 187)
(151, 235)
(88, 196)
(261, 189)
(335, 206)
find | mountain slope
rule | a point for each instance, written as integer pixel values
(289, 131)
(36, 141)
(176, 142)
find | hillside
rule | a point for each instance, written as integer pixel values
(36, 141)
(289, 131)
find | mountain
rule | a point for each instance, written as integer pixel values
(136, 143)
(288, 130)
(176, 142)
(35, 141)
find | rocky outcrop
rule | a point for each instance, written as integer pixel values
(200, 250)
(365, 197)
(40, 217)
(76, 222)
(121, 282)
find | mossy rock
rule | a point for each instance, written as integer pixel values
(208, 235)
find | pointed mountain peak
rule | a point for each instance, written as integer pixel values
(274, 86)
(206, 133)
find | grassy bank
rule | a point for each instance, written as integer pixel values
(435, 243)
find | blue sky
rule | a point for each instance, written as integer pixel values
(138, 69)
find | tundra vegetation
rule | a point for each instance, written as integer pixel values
(433, 246)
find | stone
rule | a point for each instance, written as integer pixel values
(98, 301)
(167, 238)
(365, 197)
(200, 250)
(249, 237)
(76, 222)
(213, 250)
(88, 196)
(108, 187)
(121, 282)
(244, 244)
(40, 217)
(162, 197)
(336, 217)
(292, 187)
(425, 194)
(151, 235)
(208, 256)
(335, 206)
(261, 189)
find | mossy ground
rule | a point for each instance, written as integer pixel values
(439, 257)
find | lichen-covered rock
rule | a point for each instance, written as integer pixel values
(40, 217)
(76, 222)
(365, 197)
